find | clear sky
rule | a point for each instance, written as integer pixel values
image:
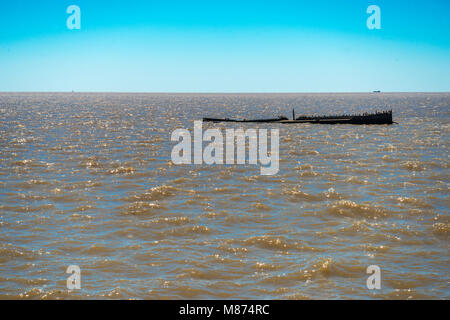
(225, 46)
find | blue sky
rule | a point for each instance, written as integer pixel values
(225, 46)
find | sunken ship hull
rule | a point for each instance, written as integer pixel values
(384, 117)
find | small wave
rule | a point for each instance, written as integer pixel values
(97, 249)
(389, 148)
(279, 243)
(188, 231)
(258, 207)
(441, 229)
(320, 268)
(37, 293)
(356, 180)
(32, 183)
(155, 193)
(296, 195)
(233, 219)
(309, 173)
(25, 209)
(233, 250)
(122, 170)
(142, 208)
(7, 254)
(420, 203)
(210, 274)
(170, 221)
(349, 208)
(412, 166)
(390, 159)
(261, 266)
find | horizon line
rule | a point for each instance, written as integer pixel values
(224, 92)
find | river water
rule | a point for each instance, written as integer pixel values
(87, 180)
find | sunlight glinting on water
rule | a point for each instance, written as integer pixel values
(87, 179)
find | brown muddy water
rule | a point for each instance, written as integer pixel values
(87, 179)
